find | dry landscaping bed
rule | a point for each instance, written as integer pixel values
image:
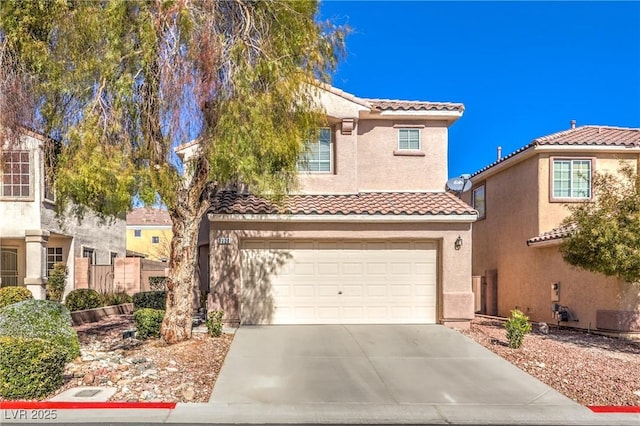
(146, 370)
(588, 368)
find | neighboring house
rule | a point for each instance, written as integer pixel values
(149, 232)
(370, 237)
(522, 200)
(32, 239)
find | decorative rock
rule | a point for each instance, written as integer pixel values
(88, 378)
(188, 393)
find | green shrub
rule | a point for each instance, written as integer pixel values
(30, 368)
(517, 326)
(148, 322)
(41, 319)
(214, 322)
(13, 294)
(83, 298)
(150, 300)
(158, 283)
(56, 282)
(118, 298)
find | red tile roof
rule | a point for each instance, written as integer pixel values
(148, 216)
(396, 105)
(581, 136)
(365, 203)
(555, 234)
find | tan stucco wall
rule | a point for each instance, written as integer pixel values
(518, 207)
(551, 212)
(381, 168)
(455, 303)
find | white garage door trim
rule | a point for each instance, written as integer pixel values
(334, 282)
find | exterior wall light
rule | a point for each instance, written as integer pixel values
(458, 244)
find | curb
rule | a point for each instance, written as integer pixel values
(66, 405)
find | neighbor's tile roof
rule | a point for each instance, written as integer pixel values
(555, 234)
(148, 216)
(364, 203)
(581, 136)
(396, 105)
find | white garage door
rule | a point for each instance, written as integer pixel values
(332, 282)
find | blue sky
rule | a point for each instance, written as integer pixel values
(522, 69)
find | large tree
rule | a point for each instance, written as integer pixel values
(606, 232)
(122, 82)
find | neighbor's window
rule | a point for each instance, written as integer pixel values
(479, 202)
(90, 253)
(155, 240)
(54, 255)
(572, 179)
(317, 154)
(137, 233)
(409, 139)
(16, 174)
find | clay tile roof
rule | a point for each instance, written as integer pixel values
(369, 203)
(148, 216)
(581, 136)
(396, 105)
(555, 234)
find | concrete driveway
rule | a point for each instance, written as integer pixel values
(365, 373)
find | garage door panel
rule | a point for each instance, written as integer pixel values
(314, 282)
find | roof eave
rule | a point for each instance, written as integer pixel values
(328, 218)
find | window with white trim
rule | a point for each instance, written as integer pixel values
(317, 156)
(137, 233)
(571, 179)
(54, 255)
(408, 139)
(16, 174)
(155, 240)
(479, 202)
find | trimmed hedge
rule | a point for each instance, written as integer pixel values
(30, 368)
(13, 294)
(41, 319)
(150, 299)
(111, 299)
(83, 298)
(148, 322)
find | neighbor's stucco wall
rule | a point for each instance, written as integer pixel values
(552, 212)
(499, 240)
(518, 207)
(455, 299)
(91, 232)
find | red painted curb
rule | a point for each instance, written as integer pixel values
(38, 405)
(622, 409)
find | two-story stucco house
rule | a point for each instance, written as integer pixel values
(149, 232)
(370, 237)
(522, 200)
(32, 239)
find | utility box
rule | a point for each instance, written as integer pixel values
(555, 292)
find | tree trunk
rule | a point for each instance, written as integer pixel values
(176, 326)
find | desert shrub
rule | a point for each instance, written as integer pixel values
(117, 298)
(83, 298)
(30, 368)
(517, 327)
(214, 322)
(148, 322)
(41, 319)
(13, 294)
(150, 300)
(158, 283)
(56, 282)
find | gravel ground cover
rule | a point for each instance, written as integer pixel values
(588, 368)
